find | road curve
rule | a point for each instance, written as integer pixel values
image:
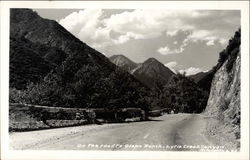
(169, 132)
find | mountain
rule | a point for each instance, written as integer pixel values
(33, 51)
(152, 72)
(224, 99)
(149, 72)
(49, 66)
(198, 76)
(30, 62)
(123, 62)
(204, 79)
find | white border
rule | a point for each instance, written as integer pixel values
(220, 5)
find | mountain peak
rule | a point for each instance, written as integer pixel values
(120, 57)
(151, 71)
(123, 62)
(152, 60)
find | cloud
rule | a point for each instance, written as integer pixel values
(172, 33)
(199, 35)
(167, 51)
(210, 43)
(122, 38)
(190, 71)
(146, 24)
(204, 35)
(189, 36)
(172, 66)
(223, 41)
(94, 28)
(84, 19)
(209, 37)
(87, 26)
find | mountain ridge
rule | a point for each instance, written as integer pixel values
(198, 76)
(149, 72)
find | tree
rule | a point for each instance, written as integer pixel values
(184, 95)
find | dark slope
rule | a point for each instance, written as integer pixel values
(205, 81)
(197, 77)
(182, 94)
(152, 72)
(123, 62)
(78, 76)
(30, 62)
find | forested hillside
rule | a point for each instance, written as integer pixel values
(49, 66)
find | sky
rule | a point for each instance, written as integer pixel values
(183, 40)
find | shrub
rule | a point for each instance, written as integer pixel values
(231, 60)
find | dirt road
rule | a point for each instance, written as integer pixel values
(169, 132)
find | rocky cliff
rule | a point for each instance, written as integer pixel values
(224, 100)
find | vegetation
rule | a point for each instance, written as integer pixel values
(206, 82)
(30, 62)
(54, 68)
(183, 95)
(231, 51)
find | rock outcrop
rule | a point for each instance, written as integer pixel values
(224, 100)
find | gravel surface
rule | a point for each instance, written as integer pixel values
(176, 132)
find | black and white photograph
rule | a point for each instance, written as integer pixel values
(126, 79)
